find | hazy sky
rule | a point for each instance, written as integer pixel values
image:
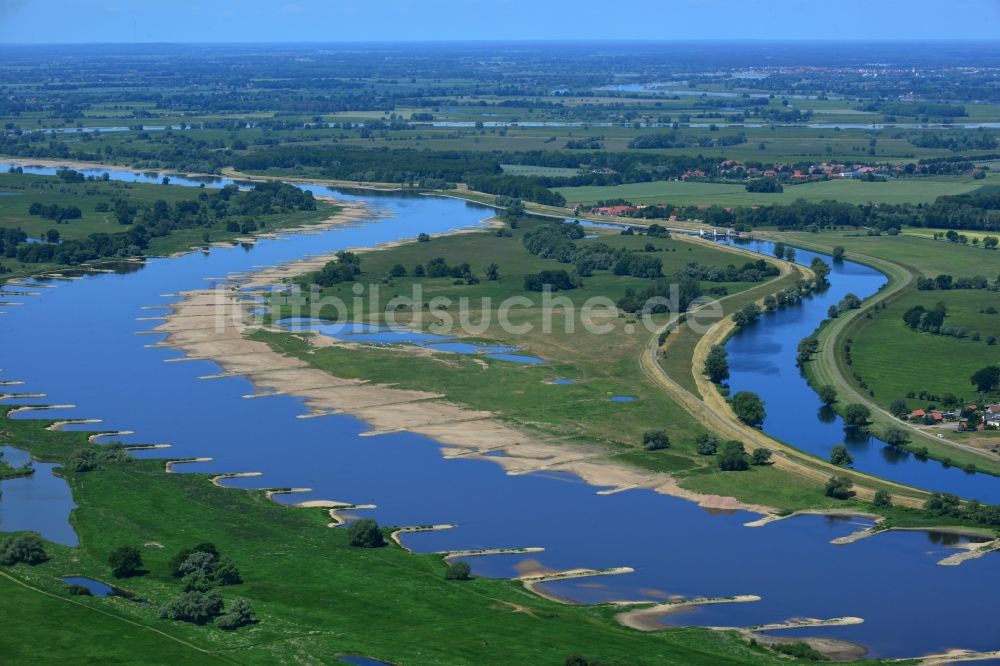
(56, 21)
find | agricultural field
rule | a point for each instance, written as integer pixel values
(681, 193)
(895, 360)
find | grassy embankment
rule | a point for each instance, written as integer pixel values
(892, 359)
(314, 595)
(21, 190)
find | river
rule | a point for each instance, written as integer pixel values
(79, 347)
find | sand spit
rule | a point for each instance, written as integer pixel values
(970, 551)
(832, 648)
(93, 439)
(648, 619)
(168, 466)
(38, 408)
(452, 554)
(953, 657)
(217, 480)
(59, 425)
(773, 518)
(532, 581)
(397, 534)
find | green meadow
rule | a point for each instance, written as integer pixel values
(315, 597)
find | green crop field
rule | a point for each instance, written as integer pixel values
(895, 360)
(683, 193)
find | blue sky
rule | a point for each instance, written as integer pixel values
(57, 21)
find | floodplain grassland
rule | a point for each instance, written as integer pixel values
(314, 596)
(96, 201)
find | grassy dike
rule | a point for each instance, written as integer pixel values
(314, 596)
(829, 366)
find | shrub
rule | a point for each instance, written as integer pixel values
(26, 548)
(840, 456)
(365, 533)
(125, 561)
(896, 436)
(733, 457)
(654, 440)
(760, 456)
(240, 614)
(194, 606)
(707, 445)
(749, 408)
(839, 487)
(174, 565)
(800, 650)
(458, 571)
(882, 499)
(79, 590)
(856, 415)
(827, 394)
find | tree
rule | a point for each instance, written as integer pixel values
(790, 254)
(760, 456)
(849, 302)
(779, 250)
(856, 415)
(26, 548)
(83, 460)
(706, 445)
(240, 614)
(821, 269)
(193, 606)
(882, 499)
(839, 456)
(458, 571)
(896, 436)
(716, 366)
(492, 272)
(838, 253)
(397, 271)
(749, 408)
(125, 561)
(733, 457)
(990, 242)
(986, 379)
(174, 565)
(654, 440)
(839, 487)
(827, 393)
(365, 533)
(423, 238)
(898, 408)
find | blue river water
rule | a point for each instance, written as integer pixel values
(89, 356)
